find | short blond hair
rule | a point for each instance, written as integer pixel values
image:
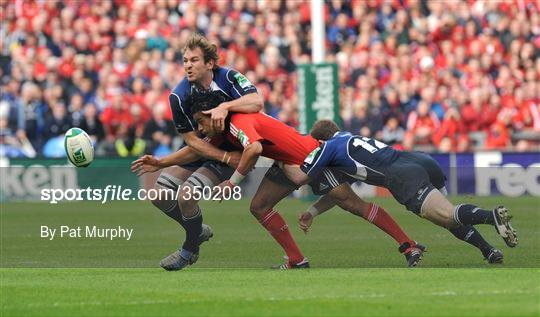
(209, 50)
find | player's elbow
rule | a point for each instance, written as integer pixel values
(189, 137)
(193, 142)
(192, 139)
(254, 148)
(258, 102)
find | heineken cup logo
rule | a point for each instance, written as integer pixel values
(243, 138)
(78, 156)
(311, 156)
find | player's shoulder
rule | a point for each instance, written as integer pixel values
(182, 89)
(228, 75)
(342, 134)
(339, 137)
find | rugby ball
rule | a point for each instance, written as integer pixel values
(79, 147)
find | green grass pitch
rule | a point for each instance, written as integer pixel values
(356, 269)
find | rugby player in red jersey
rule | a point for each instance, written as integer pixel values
(258, 134)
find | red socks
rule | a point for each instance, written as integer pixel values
(278, 228)
(379, 217)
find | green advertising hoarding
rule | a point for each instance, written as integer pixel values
(318, 94)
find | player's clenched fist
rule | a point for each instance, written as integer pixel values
(220, 190)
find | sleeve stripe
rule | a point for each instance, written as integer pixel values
(315, 163)
(180, 105)
(234, 130)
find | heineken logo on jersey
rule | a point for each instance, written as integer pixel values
(243, 138)
(242, 80)
(311, 156)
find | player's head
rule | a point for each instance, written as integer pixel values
(324, 129)
(200, 57)
(199, 101)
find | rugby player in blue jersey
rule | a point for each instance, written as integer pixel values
(202, 74)
(414, 179)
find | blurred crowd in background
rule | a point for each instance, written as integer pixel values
(448, 76)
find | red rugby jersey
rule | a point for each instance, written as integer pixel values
(279, 141)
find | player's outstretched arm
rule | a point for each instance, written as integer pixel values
(149, 163)
(323, 204)
(205, 149)
(183, 156)
(295, 174)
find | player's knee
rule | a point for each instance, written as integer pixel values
(258, 207)
(188, 208)
(447, 220)
(438, 209)
(185, 198)
(347, 205)
(438, 217)
(158, 203)
(162, 202)
(164, 196)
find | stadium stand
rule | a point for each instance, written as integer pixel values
(447, 76)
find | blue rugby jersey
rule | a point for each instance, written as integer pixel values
(362, 158)
(230, 83)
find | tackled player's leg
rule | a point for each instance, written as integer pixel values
(273, 188)
(344, 196)
(171, 180)
(467, 233)
(208, 175)
(410, 184)
(459, 220)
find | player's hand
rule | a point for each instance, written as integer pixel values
(305, 220)
(218, 190)
(145, 164)
(218, 116)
